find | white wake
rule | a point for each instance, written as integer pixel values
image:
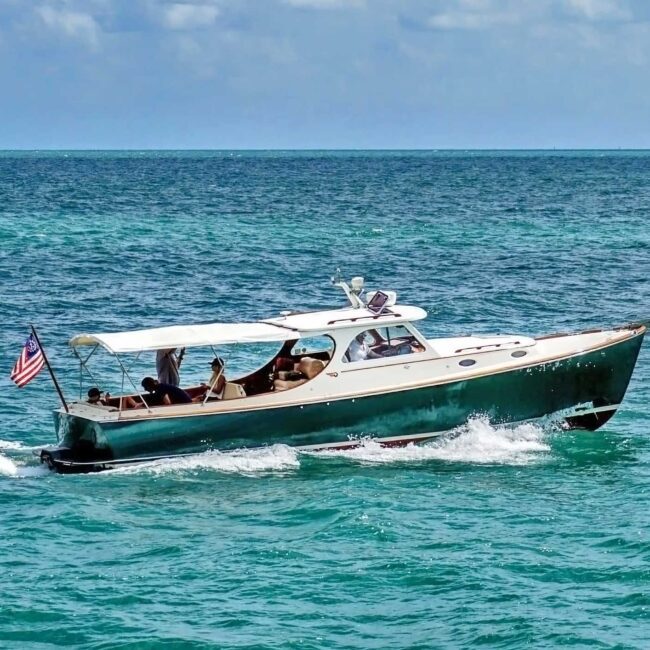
(12, 453)
(17, 470)
(276, 458)
(13, 445)
(475, 442)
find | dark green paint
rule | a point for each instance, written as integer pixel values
(599, 377)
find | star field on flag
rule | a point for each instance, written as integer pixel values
(29, 362)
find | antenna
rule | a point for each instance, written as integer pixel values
(353, 292)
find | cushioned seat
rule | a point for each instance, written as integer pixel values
(286, 384)
(310, 367)
(233, 391)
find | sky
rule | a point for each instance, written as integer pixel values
(330, 74)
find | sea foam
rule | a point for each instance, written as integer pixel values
(276, 458)
(7, 466)
(16, 470)
(477, 441)
(17, 446)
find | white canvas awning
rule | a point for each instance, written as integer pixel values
(186, 336)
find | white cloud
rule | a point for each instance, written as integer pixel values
(189, 16)
(326, 4)
(74, 24)
(477, 14)
(485, 14)
(471, 20)
(597, 9)
(476, 5)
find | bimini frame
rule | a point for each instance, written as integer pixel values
(83, 365)
(164, 338)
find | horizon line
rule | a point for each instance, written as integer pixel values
(421, 149)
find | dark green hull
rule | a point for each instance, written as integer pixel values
(596, 380)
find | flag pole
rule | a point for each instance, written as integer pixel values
(49, 367)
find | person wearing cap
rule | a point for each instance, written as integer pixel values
(97, 398)
(217, 381)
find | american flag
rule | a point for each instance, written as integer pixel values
(29, 362)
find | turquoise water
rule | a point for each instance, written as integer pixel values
(499, 537)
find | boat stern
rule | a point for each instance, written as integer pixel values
(82, 445)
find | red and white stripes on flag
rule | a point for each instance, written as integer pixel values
(29, 362)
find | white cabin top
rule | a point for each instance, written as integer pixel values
(282, 328)
(325, 321)
(286, 327)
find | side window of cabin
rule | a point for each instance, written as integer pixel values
(381, 342)
(320, 347)
(307, 358)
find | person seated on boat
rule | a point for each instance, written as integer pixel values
(360, 350)
(416, 346)
(405, 346)
(164, 394)
(96, 397)
(216, 384)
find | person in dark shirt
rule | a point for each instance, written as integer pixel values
(163, 394)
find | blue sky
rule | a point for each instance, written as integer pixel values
(324, 74)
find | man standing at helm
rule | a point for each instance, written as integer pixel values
(167, 366)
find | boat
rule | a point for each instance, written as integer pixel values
(371, 374)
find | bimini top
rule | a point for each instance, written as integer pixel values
(283, 328)
(184, 336)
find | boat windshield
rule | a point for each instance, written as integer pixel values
(381, 342)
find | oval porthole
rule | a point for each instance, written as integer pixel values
(466, 362)
(519, 353)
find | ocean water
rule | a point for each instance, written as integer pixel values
(500, 537)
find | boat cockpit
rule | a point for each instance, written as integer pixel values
(290, 367)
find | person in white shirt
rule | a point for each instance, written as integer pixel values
(360, 350)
